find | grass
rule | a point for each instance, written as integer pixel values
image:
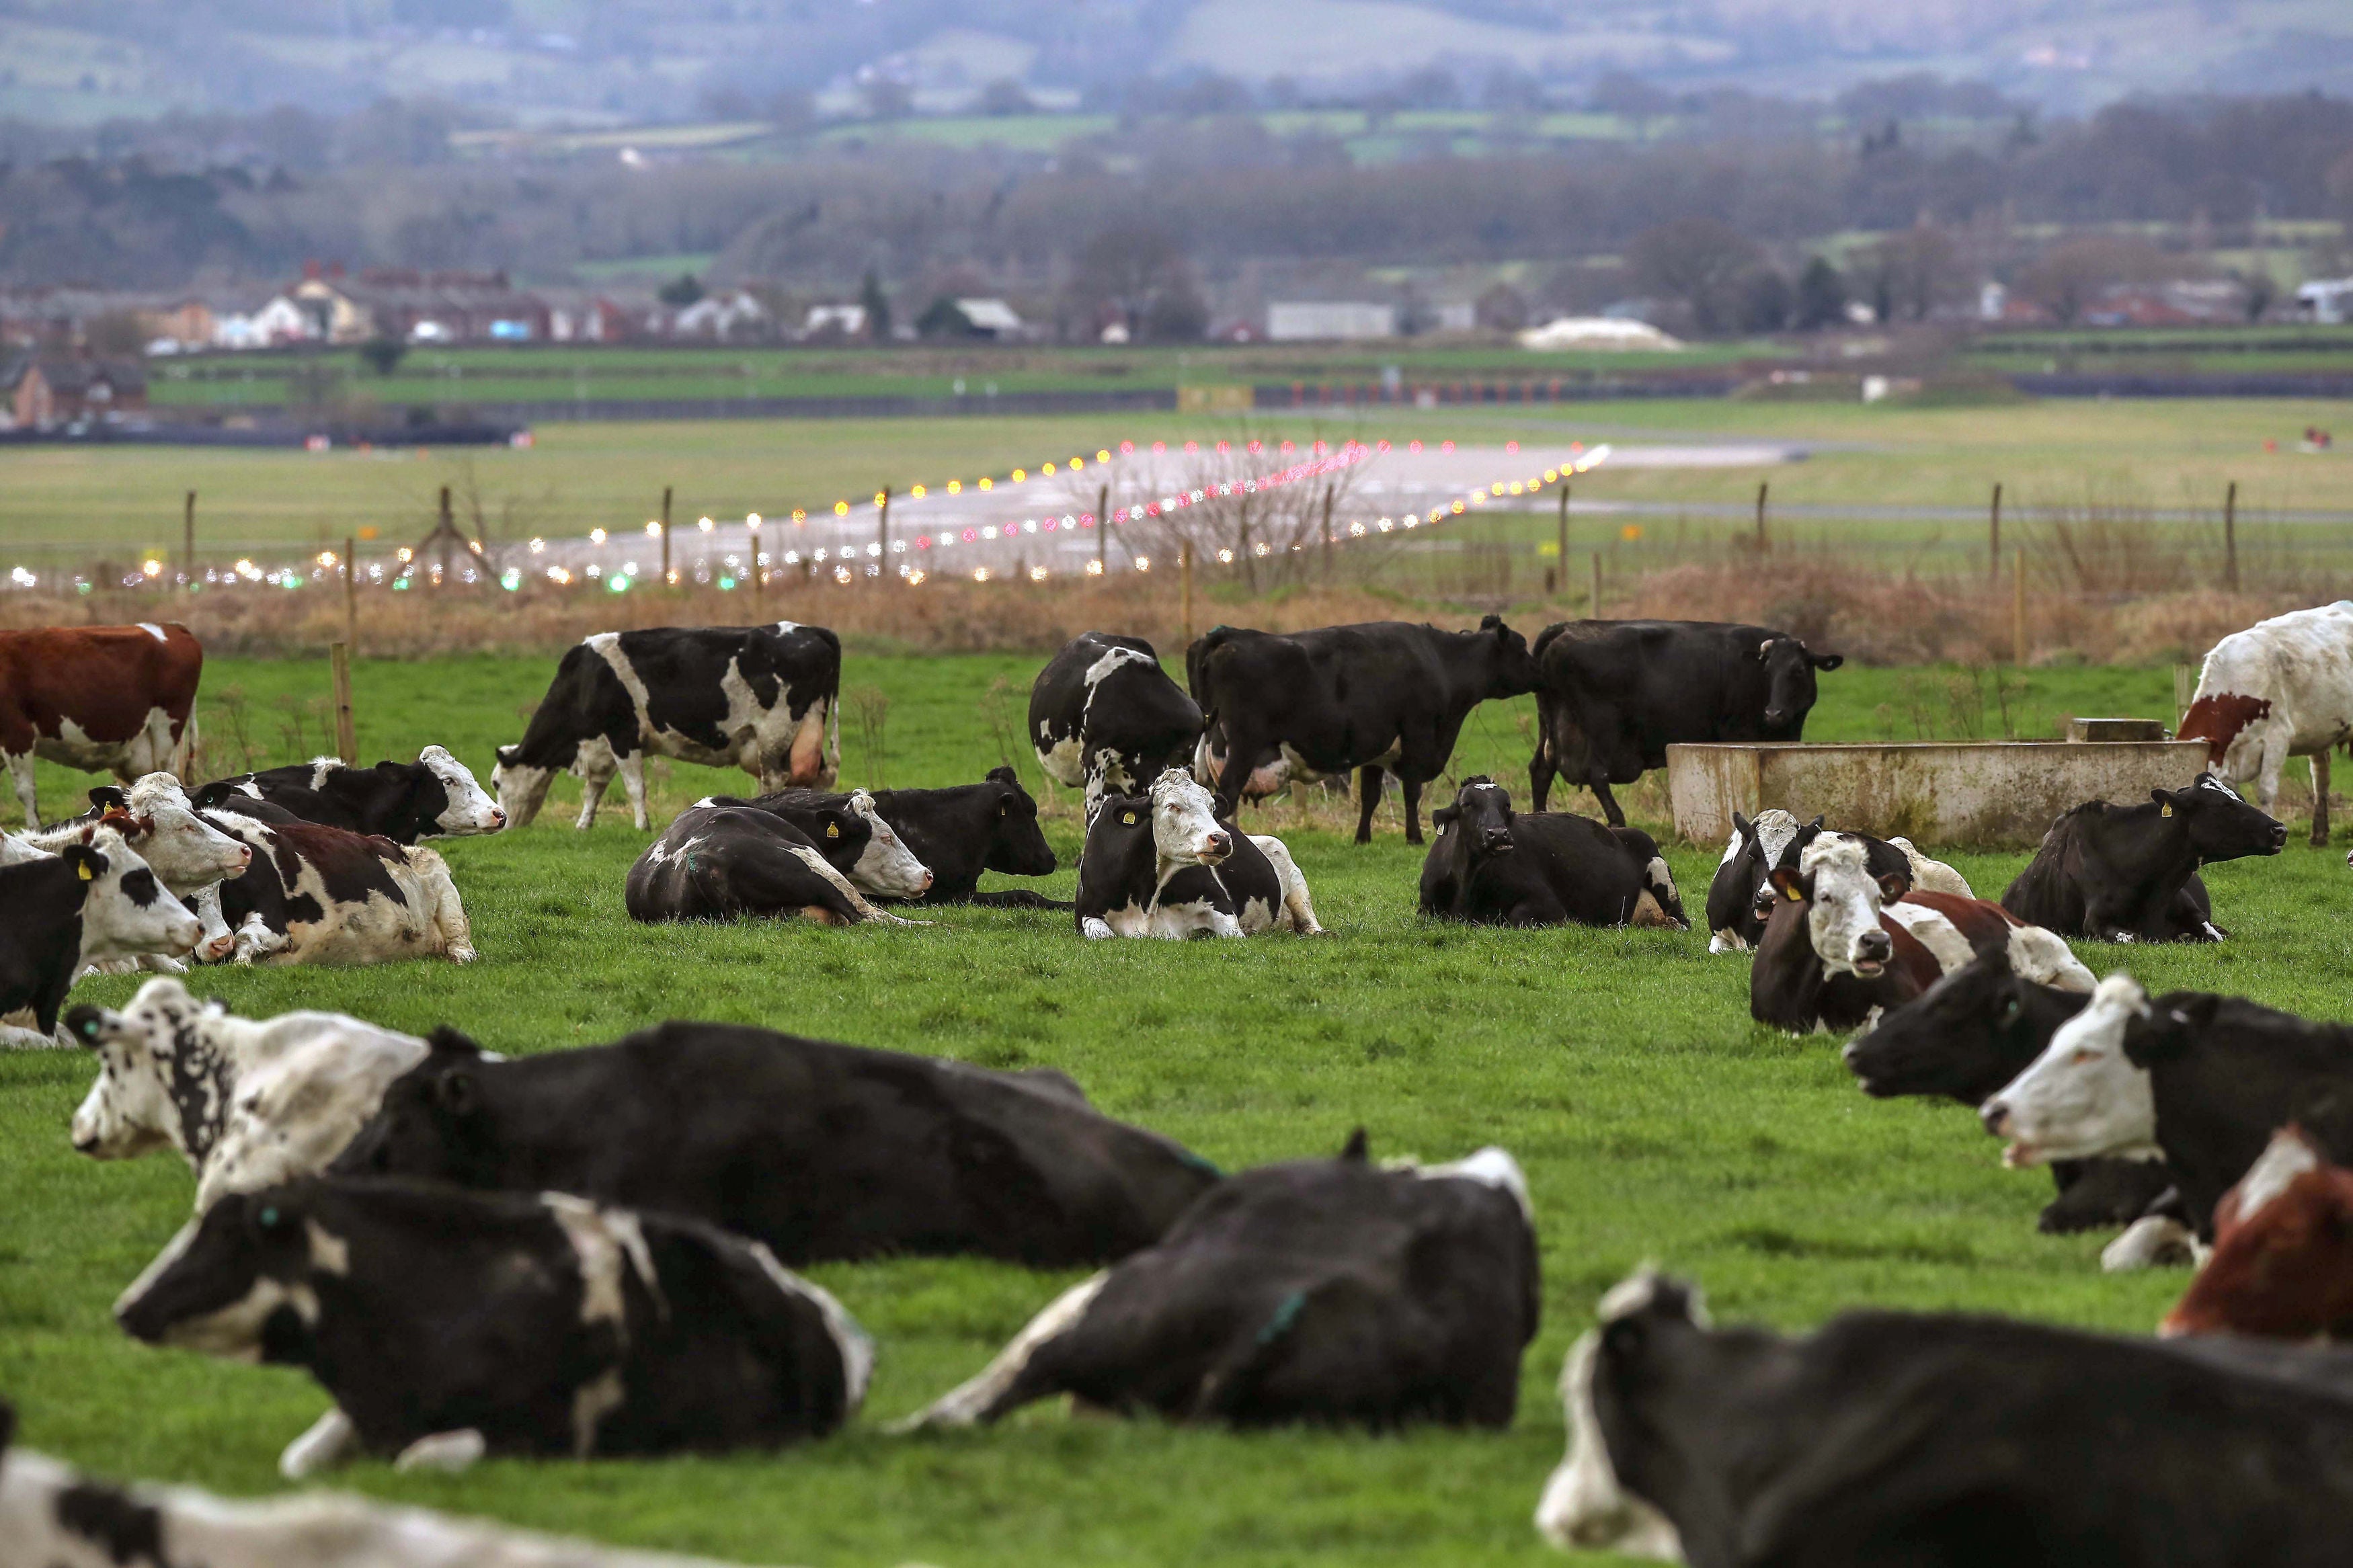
(1654, 1121)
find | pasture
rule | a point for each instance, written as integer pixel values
(1653, 1119)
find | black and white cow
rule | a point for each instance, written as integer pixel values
(1105, 718)
(450, 1324)
(1164, 865)
(1380, 697)
(92, 901)
(762, 699)
(1320, 1290)
(248, 1103)
(1612, 696)
(717, 861)
(188, 855)
(1740, 897)
(2129, 873)
(1490, 866)
(1894, 1438)
(316, 894)
(853, 836)
(965, 829)
(433, 797)
(824, 1151)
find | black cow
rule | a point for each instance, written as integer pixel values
(448, 1324)
(1612, 696)
(1105, 717)
(1492, 866)
(2129, 873)
(718, 862)
(1380, 696)
(757, 698)
(963, 830)
(1164, 865)
(94, 901)
(1319, 1290)
(434, 796)
(1890, 1437)
(821, 1150)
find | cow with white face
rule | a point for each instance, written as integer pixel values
(2082, 1096)
(1164, 865)
(188, 855)
(436, 796)
(248, 1103)
(60, 914)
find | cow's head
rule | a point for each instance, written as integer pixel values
(2221, 824)
(1789, 691)
(126, 911)
(1017, 847)
(237, 1281)
(886, 866)
(1943, 1041)
(2084, 1096)
(1185, 826)
(181, 847)
(157, 1082)
(1514, 669)
(2283, 1261)
(469, 810)
(1586, 1505)
(432, 1123)
(522, 786)
(1482, 813)
(1833, 872)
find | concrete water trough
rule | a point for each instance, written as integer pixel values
(1993, 795)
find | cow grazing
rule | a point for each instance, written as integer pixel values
(102, 698)
(94, 901)
(717, 862)
(965, 829)
(326, 895)
(2281, 688)
(2283, 1261)
(759, 697)
(1612, 696)
(1842, 944)
(1320, 1290)
(1892, 1437)
(1380, 697)
(433, 797)
(1490, 866)
(1105, 718)
(2129, 873)
(851, 835)
(823, 1152)
(450, 1324)
(248, 1103)
(1165, 865)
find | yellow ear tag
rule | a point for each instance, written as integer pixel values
(1795, 897)
(833, 830)
(1128, 819)
(2167, 810)
(87, 874)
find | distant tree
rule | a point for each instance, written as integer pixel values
(1508, 87)
(117, 334)
(878, 307)
(1283, 91)
(1177, 315)
(1199, 93)
(1006, 96)
(944, 318)
(1619, 93)
(1502, 309)
(384, 355)
(2261, 289)
(1821, 296)
(791, 108)
(887, 98)
(1923, 268)
(1432, 86)
(1698, 260)
(681, 291)
(1763, 298)
(1140, 275)
(2072, 274)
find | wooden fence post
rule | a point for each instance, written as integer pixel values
(2018, 610)
(351, 594)
(2231, 536)
(1561, 528)
(1993, 538)
(339, 665)
(1327, 533)
(1595, 613)
(1103, 531)
(882, 533)
(1762, 486)
(188, 538)
(1185, 572)
(759, 573)
(665, 528)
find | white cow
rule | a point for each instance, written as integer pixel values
(2281, 688)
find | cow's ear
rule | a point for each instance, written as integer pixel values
(455, 1093)
(1826, 660)
(1786, 883)
(1004, 775)
(1742, 827)
(1489, 623)
(453, 1042)
(87, 863)
(1355, 1148)
(2167, 799)
(1765, 649)
(1444, 817)
(507, 754)
(110, 797)
(1894, 885)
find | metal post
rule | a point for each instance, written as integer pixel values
(351, 595)
(2017, 609)
(339, 666)
(1184, 573)
(1761, 487)
(1993, 538)
(882, 531)
(1103, 531)
(188, 538)
(665, 527)
(2231, 536)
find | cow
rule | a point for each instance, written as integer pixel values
(963, 830)
(1329, 1292)
(316, 894)
(824, 1151)
(1492, 866)
(851, 835)
(2281, 688)
(764, 699)
(100, 699)
(56, 1516)
(450, 1324)
(94, 901)
(1895, 1437)
(1842, 945)
(717, 862)
(2282, 1267)
(188, 855)
(1739, 898)
(1165, 865)
(1382, 696)
(1105, 717)
(1612, 696)
(433, 797)
(2129, 873)
(248, 1103)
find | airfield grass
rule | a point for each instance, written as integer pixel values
(1654, 1121)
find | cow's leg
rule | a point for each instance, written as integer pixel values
(1368, 791)
(449, 1452)
(1242, 758)
(633, 782)
(2267, 773)
(1412, 787)
(448, 915)
(329, 1441)
(1599, 784)
(1298, 912)
(215, 940)
(2320, 798)
(20, 772)
(1541, 773)
(594, 780)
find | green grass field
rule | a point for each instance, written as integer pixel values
(1654, 1121)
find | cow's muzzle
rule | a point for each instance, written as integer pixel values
(1496, 841)
(1216, 846)
(1872, 949)
(1775, 717)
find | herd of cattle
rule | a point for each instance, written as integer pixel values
(593, 1252)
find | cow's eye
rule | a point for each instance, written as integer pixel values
(2086, 1057)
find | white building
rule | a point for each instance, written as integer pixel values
(2325, 299)
(1307, 321)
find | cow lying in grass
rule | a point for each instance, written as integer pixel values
(850, 832)
(92, 901)
(436, 796)
(1740, 896)
(188, 855)
(2129, 873)
(1164, 865)
(1491, 866)
(963, 830)
(326, 895)
(718, 861)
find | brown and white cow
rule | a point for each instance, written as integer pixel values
(316, 894)
(2281, 688)
(2281, 1265)
(102, 699)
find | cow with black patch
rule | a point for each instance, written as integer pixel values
(1328, 1291)
(450, 1324)
(326, 895)
(1740, 896)
(1382, 697)
(719, 862)
(824, 1151)
(1612, 696)
(435, 796)
(246, 1102)
(92, 901)
(963, 830)
(102, 698)
(1895, 1437)
(1491, 866)
(850, 833)
(188, 855)
(1164, 865)
(1105, 718)
(762, 699)
(2129, 873)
